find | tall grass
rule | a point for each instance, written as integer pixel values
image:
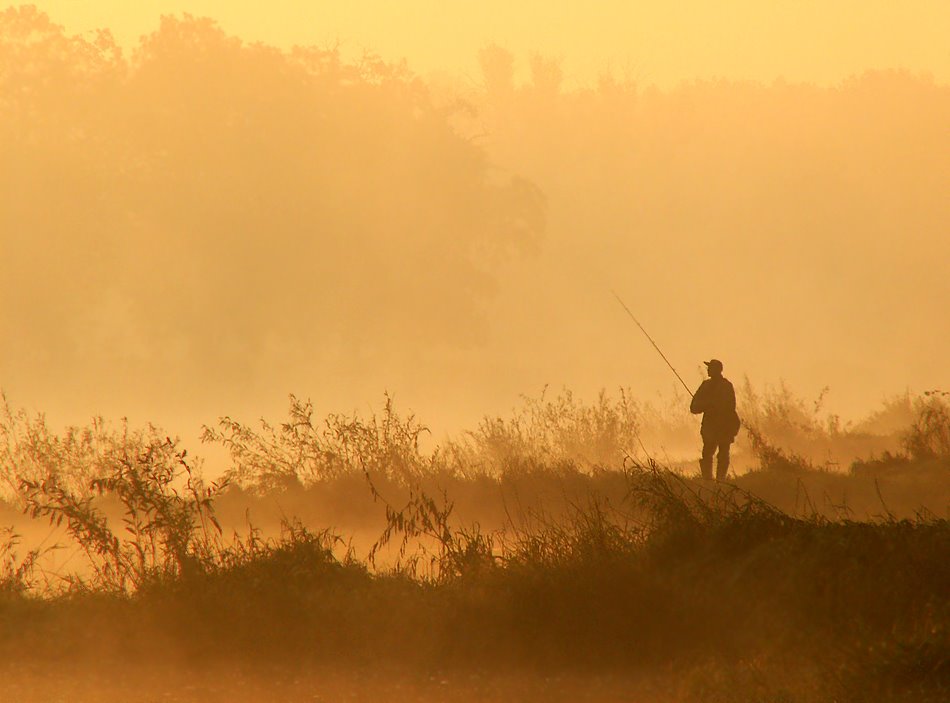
(929, 435)
(706, 583)
(703, 586)
(303, 451)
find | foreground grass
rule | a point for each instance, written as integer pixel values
(707, 593)
(548, 579)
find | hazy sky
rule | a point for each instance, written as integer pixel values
(655, 42)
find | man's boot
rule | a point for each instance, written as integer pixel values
(721, 472)
(722, 464)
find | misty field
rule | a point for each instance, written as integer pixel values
(533, 558)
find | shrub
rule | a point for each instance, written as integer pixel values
(167, 516)
(302, 451)
(929, 435)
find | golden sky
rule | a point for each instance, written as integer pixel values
(216, 229)
(654, 42)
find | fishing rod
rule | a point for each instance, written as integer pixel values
(659, 351)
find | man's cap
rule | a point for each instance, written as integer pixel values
(714, 364)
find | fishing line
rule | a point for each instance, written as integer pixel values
(659, 351)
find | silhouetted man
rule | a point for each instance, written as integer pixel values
(716, 400)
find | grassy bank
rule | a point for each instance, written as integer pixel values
(666, 587)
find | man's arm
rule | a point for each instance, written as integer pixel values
(698, 404)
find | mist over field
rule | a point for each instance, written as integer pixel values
(358, 266)
(200, 225)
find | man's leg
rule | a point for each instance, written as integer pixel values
(705, 464)
(722, 461)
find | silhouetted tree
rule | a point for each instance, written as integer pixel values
(207, 200)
